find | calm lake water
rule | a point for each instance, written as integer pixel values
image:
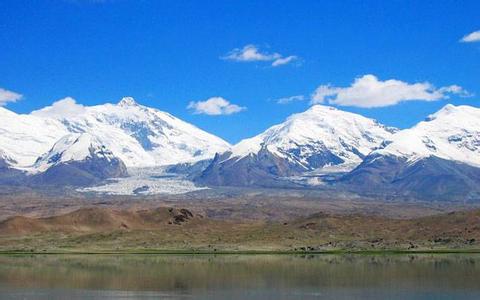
(240, 277)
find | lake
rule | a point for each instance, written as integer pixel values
(427, 276)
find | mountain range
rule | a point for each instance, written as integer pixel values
(437, 158)
(102, 141)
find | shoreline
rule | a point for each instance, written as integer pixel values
(252, 252)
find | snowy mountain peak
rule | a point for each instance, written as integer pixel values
(449, 108)
(127, 101)
(322, 109)
(163, 138)
(73, 147)
(452, 133)
(321, 130)
(452, 110)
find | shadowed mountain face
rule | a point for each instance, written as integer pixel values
(261, 169)
(82, 173)
(75, 160)
(3, 164)
(76, 173)
(9, 175)
(429, 178)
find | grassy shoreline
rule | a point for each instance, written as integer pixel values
(252, 252)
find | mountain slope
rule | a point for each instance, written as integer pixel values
(320, 137)
(6, 161)
(26, 137)
(78, 159)
(439, 157)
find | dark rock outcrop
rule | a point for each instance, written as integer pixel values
(260, 170)
(430, 178)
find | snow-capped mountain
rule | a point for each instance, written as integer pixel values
(320, 137)
(438, 156)
(140, 136)
(143, 136)
(453, 133)
(78, 159)
(74, 148)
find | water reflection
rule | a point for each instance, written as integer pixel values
(240, 277)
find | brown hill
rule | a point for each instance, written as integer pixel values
(180, 229)
(453, 229)
(98, 220)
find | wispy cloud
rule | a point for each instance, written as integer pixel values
(63, 108)
(369, 91)
(286, 100)
(215, 106)
(251, 53)
(284, 60)
(471, 37)
(7, 96)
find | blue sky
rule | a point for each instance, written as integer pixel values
(169, 54)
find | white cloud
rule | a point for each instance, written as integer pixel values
(455, 89)
(63, 108)
(215, 106)
(251, 53)
(284, 60)
(8, 96)
(472, 37)
(290, 99)
(368, 91)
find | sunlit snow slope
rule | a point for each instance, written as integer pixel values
(140, 136)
